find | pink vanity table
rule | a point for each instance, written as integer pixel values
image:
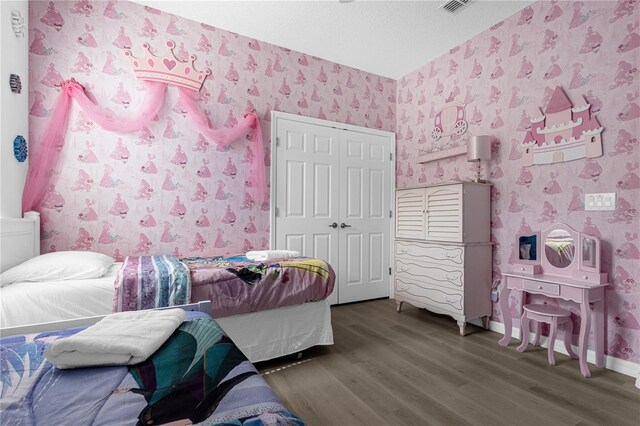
(567, 268)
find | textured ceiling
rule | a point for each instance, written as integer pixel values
(389, 38)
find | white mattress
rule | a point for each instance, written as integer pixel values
(36, 302)
(277, 332)
(260, 335)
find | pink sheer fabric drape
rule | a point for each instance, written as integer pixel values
(153, 101)
(45, 155)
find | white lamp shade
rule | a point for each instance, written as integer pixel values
(479, 148)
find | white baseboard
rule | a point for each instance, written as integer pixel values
(616, 364)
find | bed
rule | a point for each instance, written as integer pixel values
(261, 335)
(197, 375)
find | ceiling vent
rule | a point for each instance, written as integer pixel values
(454, 6)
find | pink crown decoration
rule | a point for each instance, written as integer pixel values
(168, 69)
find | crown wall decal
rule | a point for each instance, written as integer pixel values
(168, 69)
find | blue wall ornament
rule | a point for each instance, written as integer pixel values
(20, 148)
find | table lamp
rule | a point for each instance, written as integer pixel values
(478, 149)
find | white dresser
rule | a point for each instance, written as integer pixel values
(443, 251)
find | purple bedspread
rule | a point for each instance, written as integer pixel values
(197, 376)
(236, 285)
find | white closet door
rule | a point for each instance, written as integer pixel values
(307, 191)
(365, 194)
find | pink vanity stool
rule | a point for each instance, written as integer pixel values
(553, 316)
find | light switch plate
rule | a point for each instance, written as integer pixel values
(600, 201)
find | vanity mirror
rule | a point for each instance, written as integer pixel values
(572, 254)
(560, 247)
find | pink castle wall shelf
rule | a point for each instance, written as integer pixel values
(563, 133)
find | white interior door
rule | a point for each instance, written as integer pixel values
(365, 194)
(323, 177)
(307, 192)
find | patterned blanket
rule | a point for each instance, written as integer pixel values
(198, 375)
(147, 282)
(234, 285)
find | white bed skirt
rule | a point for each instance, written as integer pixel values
(277, 332)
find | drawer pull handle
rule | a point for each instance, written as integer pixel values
(451, 255)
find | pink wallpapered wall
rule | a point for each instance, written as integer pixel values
(183, 196)
(166, 190)
(503, 75)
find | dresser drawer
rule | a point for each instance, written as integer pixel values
(440, 254)
(442, 276)
(430, 295)
(541, 287)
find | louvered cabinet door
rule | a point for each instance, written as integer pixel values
(410, 208)
(443, 216)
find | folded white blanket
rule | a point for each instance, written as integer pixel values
(124, 338)
(262, 255)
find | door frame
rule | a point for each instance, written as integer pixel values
(279, 115)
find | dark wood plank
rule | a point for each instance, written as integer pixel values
(412, 368)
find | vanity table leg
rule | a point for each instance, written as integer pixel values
(521, 297)
(598, 331)
(585, 326)
(506, 314)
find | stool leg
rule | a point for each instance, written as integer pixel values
(552, 340)
(568, 332)
(538, 332)
(524, 331)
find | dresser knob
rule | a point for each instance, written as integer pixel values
(522, 269)
(586, 277)
(539, 287)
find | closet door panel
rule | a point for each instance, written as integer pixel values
(364, 210)
(307, 191)
(323, 175)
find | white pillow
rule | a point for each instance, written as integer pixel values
(59, 266)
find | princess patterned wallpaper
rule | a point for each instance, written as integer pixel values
(166, 189)
(503, 75)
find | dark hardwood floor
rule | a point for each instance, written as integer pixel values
(413, 368)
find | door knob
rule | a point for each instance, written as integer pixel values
(344, 225)
(334, 225)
